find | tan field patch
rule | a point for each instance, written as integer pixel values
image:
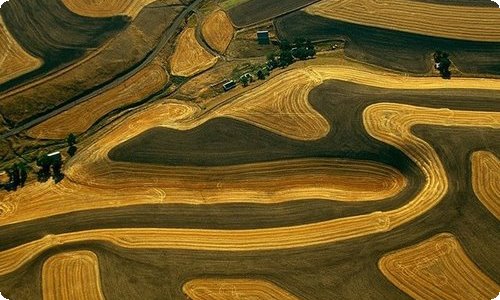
(218, 31)
(190, 57)
(14, 60)
(81, 117)
(264, 183)
(72, 276)
(486, 180)
(437, 268)
(388, 122)
(230, 289)
(108, 8)
(458, 22)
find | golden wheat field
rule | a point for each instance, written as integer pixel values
(323, 177)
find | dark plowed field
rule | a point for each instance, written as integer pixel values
(396, 50)
(47, 29)
(123, 52)
(255, 11)
(480, 3)
(343, 270)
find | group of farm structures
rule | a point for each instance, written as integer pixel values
(355, 167)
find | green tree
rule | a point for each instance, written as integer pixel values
(244, 80)
(71, 139)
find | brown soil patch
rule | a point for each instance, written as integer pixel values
(228, 289)
(437, 268)
(458, 22)
(190, 57)
(79, 118)
(14, 60)
(72, 276)
(218, 31)
(486, 180)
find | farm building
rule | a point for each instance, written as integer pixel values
(263, 37)
(231, 84)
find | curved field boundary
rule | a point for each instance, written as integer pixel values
(218, 31)
(388, 122)
(92, 163)
(264, 183)
(80, 118)
(72, 276)
(190, 57)
(437, 268)
(14, 60)
(230, 289)
(108, 8)
(486, 180)
(457, 22)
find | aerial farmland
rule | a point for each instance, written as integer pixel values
(249, 149)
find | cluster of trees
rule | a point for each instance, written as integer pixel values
(18, 174)
(300, 49)
(49, 166)
(443, 64)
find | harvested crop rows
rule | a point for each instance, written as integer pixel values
(96, 8)
(486, 180)
(389, 122)
(218, 31)
(458, 22)
(79, 118)
(48, 30)
(437, 268)
(190, 57)
(103, 65)
(14, 60)
(397, 50)
(227, 289)
(72, 275)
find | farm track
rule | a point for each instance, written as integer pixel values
(80, 118)
(218, 31)
(72, 276)
(14, 60)
(437, 268)
(456, 22)
(190, 58)
(486, 180)
(228, 289)
(149, 58)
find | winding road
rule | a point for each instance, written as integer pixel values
(166, 37)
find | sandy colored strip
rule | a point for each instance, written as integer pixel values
(218, 31)
(14, 60)
(457, 22)
(230, 289)
(72, 276)
(264, 183)
(388, 122)
(437, 268)
(190, 57)
(81, 117)
(486, 180)
(106, 8)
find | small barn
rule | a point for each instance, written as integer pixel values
(263, 37)
(231, 84)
